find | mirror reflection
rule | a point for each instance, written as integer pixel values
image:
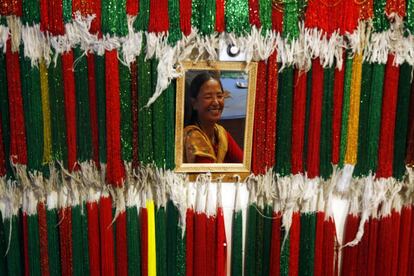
(215, 116)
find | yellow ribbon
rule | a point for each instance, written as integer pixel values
(152, 255)
(353, 117)
(47, 136)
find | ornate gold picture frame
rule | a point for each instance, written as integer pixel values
(238, 82)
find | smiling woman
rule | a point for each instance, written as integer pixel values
(215, 103)
(206, 141)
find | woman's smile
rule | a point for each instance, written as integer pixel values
(209, 102)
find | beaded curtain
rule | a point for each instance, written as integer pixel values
(87, 114)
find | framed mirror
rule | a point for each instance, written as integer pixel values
(214, 117)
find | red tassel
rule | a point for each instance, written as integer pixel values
(254, 13)
(220, 16)
(121, 245)
(95, 6)
(26, 245)
(189, 251)
(93, 108)
(221, 249)
(411, 250)
(259, 137)
(70, 107)
(18, 151)
(65, 233)
(389, 107)
(337, 114)
(211, 244)
(42, 220)
(185, 16)
(115, 172)
(93, 239)
(367, 10)
(144, 241)
(409, 158)
(317, 16)
(384, 246)
(350, 253)
(2, 154)
(275, 245)
(56, 25)
(51, 5)
(372, 257)
(363, 251)
(329, 244)
(404, 242)
(200, 246)
(77, 6)
(298, 121)
(107, 236)
(319, 234)
(132, 7)
(396, 6)
(350, 17)
(44, 15)
(158, 20)
(84, 7)
(395, 218)
(11, 7)
(277, 16)
(315, 120)
(294, 237)
(271, 110)
(5, 7)
(134, 98)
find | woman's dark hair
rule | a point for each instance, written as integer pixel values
(193, 90)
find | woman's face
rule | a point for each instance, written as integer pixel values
(209, 102)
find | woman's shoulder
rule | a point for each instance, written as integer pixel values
(191, 129)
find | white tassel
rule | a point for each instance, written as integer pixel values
(4, 35)
(211, 200)
(345, 178)
(394, 188)
(119, 198)
(81, 26)
(309, 198)
(201, 186)
(13, 201)
(178, 189)
(356, 40)
(291, 204)
(75, 194)
(51, 189)
(131, 46)
(409, 194)
(15, 26)
(378, 48)
(63, 196)
(3, 195)
(368, 206)
(237, 200)
(269, 187)
(329, 188)
(29, 202)
(52, 200)
(32, 39)
(166, 72)
(289, 188)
